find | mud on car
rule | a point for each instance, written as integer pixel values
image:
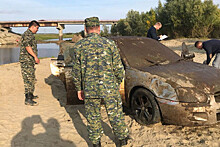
(161, 86)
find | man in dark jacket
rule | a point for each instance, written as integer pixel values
(152, 31)
(212, 48)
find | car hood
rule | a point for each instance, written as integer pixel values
(188, 74)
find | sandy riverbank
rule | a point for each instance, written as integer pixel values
(54, 124)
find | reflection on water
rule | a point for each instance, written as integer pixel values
(10, 53)
(65, 39)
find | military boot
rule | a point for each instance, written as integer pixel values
(124, 141)
(29, 100)
(34, 96)
(97, 145)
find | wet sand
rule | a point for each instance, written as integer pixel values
(54, 124)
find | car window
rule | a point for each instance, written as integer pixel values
(143, 52)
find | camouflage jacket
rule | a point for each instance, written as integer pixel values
(97, 67)
(27, 39)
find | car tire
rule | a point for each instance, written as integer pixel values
(144, 107)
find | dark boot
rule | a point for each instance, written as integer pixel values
(34, 96)
(29, 100)
(124, 141)
(97, 145)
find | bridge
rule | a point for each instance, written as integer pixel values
(59, 24)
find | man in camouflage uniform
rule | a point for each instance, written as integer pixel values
(97, 74)
(28, 58)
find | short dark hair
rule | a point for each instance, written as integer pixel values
(33, 23)
(159, 24)
(196, 43)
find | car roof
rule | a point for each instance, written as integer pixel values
(143, 52)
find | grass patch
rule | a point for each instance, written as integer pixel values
(52, 36)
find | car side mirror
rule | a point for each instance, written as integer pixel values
(185, 54)
(60, 57)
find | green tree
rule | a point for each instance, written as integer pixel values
(188, 18)
(151, 19)
(216, 27)
(105, 31)
(121, 28)
(135, 24)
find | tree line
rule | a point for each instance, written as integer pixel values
(180, 18)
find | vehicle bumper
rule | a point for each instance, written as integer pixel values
(190, 114)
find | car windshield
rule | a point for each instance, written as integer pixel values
(144, 52)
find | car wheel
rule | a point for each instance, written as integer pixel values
(144, 107)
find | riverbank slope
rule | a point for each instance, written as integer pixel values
(7, 37)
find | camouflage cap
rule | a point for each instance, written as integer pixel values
(92, 22)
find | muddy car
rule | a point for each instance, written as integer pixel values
(161, 86)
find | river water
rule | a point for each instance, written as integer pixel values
(10, 53)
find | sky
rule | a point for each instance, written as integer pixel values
(27, 10)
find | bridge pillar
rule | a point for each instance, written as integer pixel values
(60, 27)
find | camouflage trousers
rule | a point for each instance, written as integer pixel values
(115, 115)
(28, 74)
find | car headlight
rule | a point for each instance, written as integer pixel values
(164, 92)
(191, 95)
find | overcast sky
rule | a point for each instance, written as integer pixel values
(26, 10)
